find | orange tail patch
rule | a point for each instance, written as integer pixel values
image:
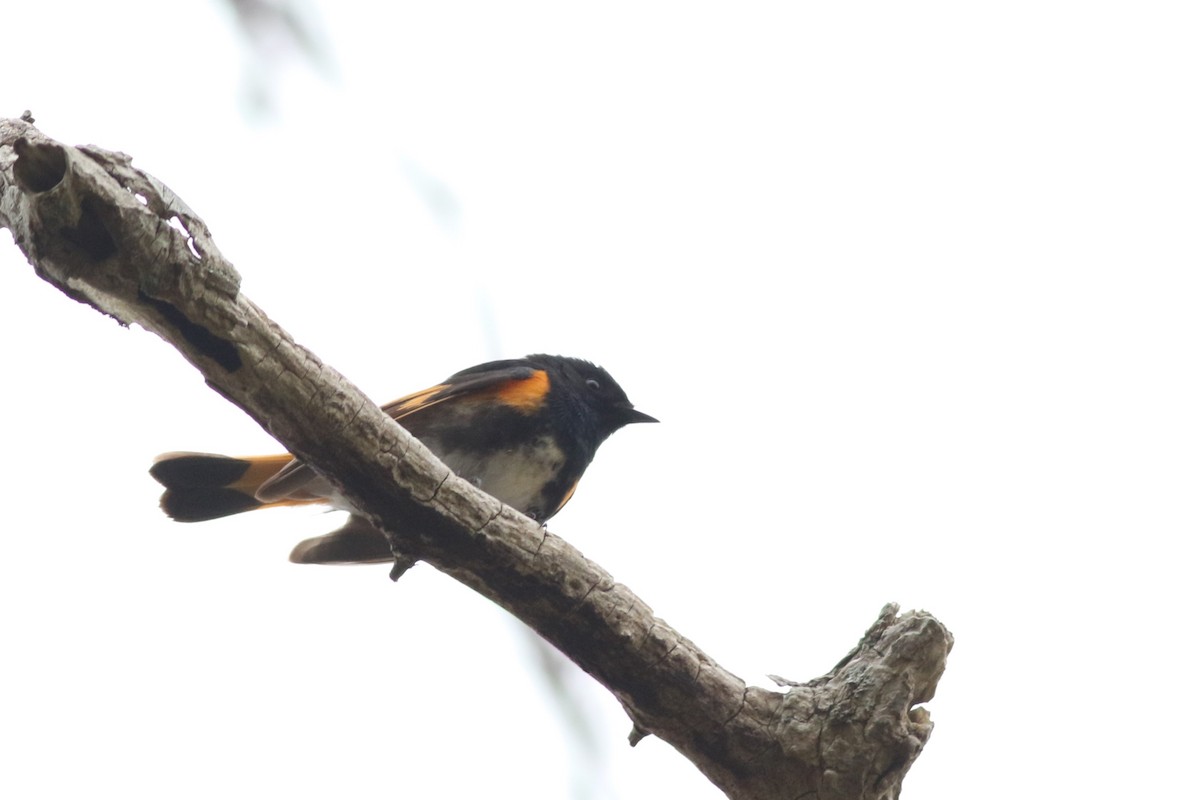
(202, 486)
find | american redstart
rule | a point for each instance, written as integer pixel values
(523, 430)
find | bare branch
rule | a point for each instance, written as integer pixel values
(115, 238)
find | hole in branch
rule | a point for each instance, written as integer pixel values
(39, 167)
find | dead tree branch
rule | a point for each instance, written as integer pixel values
(113, 237)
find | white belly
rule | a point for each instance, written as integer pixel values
(516, 477)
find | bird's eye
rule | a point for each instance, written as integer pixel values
(593, 384)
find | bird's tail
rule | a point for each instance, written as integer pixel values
(201, 486)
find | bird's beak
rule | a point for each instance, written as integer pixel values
(633, 415)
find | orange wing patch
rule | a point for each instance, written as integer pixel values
(526, 394)
(414, 402)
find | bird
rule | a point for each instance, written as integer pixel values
(523, 430)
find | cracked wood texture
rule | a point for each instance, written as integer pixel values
(113, 237)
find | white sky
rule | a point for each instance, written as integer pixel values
(913, 288)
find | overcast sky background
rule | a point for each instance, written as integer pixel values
(912, 288)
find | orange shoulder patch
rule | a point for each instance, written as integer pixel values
(526, 394)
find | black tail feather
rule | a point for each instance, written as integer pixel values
(199, 486)
(197, 470)
(205, 503)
